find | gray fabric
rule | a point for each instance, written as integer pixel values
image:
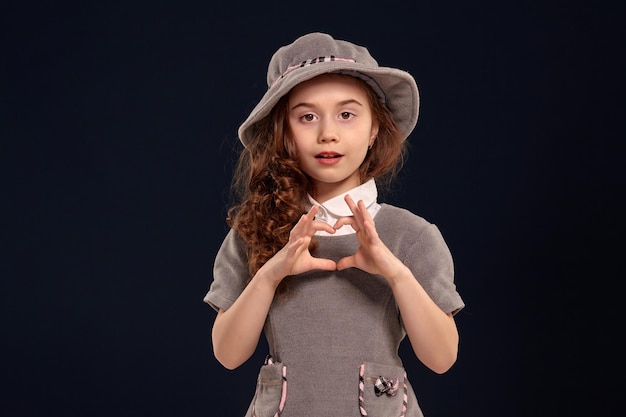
(318, 53)
(329, 323)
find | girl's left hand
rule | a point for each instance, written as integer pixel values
(372, 256)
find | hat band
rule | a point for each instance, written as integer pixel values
(308, 62)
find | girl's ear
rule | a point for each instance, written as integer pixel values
(374, 133)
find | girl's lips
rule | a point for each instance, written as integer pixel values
(328, 158)
(328, 155)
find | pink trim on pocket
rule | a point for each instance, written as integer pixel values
(361, 389)
(405, 397)
(283, 397)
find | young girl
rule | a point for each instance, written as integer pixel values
(333, 278)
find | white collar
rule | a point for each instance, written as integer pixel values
(331, 210)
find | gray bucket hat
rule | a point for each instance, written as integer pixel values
(318, 53)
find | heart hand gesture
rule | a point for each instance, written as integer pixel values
(372, 256)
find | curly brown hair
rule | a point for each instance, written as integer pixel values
(272, 188)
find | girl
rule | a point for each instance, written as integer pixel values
(334, 279)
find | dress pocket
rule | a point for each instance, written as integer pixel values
(271, 390)
(382, 390)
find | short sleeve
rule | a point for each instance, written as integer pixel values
(230, 273)
(431, 262)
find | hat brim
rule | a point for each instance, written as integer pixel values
(398, 86)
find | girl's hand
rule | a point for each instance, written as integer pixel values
(294, 258)
(372, 256)
(432, 332)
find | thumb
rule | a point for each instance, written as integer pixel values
(345, 263)
(324, 264)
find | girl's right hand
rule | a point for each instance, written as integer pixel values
(294, 258)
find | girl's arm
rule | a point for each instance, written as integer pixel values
(236, 331)
(432, 332)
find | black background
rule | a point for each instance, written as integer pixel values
(118, 123)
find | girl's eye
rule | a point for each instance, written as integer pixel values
(308, 117)
(345, 115)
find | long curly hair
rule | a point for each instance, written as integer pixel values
(272, 188)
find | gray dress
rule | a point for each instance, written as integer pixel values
(334, 336)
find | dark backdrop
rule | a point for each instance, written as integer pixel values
(118, 123)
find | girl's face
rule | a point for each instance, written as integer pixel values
(332, 126)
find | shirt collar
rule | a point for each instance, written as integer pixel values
(331, 210)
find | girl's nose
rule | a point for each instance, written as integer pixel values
(328, 132)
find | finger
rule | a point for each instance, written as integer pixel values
(363, 211)
(307, 218)
(320, 225)
(311, 214)
(370, 235)
(353, 207)
(343, 221)
(302, 227)
(324, 264)
(296, 247)
(345, 263)
(357, 224)
(315, 225)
